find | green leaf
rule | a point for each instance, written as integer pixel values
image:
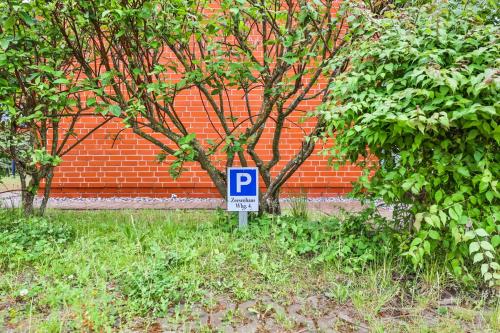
(487, 246)
(290, 58)
(438, 196)
(416, 241)
(478, 257)
(453, 214)
(427, 247)
(434, 234)
(473, 247)
(115, 110)
(91, 102)
(61, 81)
(4, 43)
(458, 209)
(481, 232)
(27, 18)
(495, 240)
(489, 254)
(484, 268)
(469, 235)
(188, 138)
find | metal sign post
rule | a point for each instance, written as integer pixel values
(242, 192)
(243, 220)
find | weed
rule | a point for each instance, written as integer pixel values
(350, 243)
(298, 206)
(155, 283)
(339, 292)
(442, 310)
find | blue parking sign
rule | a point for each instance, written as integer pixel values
(243, 182)
(242, 189)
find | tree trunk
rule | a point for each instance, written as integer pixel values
(46, 192)
(28, 202)
(27, 198)
(270, 204)
(28, 191)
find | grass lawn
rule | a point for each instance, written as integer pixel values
(153, 271)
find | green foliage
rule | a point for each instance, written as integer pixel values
(273, 54)
(40, 94)
(33, 87)
(24, 240)
(349, 243)
(419, 109)
(185, 153)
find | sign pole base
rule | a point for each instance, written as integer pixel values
(243, 220)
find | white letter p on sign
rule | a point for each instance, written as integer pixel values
(240, 182)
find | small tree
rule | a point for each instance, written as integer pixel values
(140, 56)
(421, 98)
(40, 102)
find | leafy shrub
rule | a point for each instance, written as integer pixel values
(155, 284)
(350, 243)
(24, 240)
(419, 110)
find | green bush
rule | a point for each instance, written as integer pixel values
(419, 111)
(24, 240)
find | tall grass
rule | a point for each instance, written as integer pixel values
(299, 206)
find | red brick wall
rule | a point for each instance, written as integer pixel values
(102, 166)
